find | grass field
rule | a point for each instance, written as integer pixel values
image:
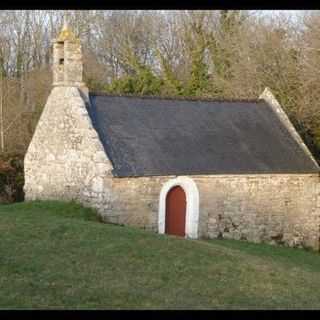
(57, 255)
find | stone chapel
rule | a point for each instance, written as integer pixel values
(186, 167)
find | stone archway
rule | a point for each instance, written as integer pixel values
(192, 205)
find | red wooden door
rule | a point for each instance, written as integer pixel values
(176, 212)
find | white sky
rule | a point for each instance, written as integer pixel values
(295, 14)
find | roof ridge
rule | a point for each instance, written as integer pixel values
(189, 98)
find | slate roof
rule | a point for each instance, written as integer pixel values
(147, 136)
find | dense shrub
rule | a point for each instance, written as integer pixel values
(11, 178)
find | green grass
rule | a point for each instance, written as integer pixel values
(57, 255)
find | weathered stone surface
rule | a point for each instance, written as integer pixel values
(279, 209)
(57, 164)
(66, 160)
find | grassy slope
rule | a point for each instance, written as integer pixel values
(55, 255)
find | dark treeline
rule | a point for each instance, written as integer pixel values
(222, 54)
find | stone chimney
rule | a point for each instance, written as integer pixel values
(67, 60)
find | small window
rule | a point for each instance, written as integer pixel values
(61, 61)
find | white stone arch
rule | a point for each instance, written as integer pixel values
(192, 206)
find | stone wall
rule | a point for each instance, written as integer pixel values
(277, 209)
(66, 161)
(280, 209)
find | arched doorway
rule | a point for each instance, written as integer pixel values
(176, 212)
(192, 205)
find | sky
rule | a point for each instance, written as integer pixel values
(295, 14)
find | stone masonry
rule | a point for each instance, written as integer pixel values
(282, 209)
(65, 158)
(66, 161)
